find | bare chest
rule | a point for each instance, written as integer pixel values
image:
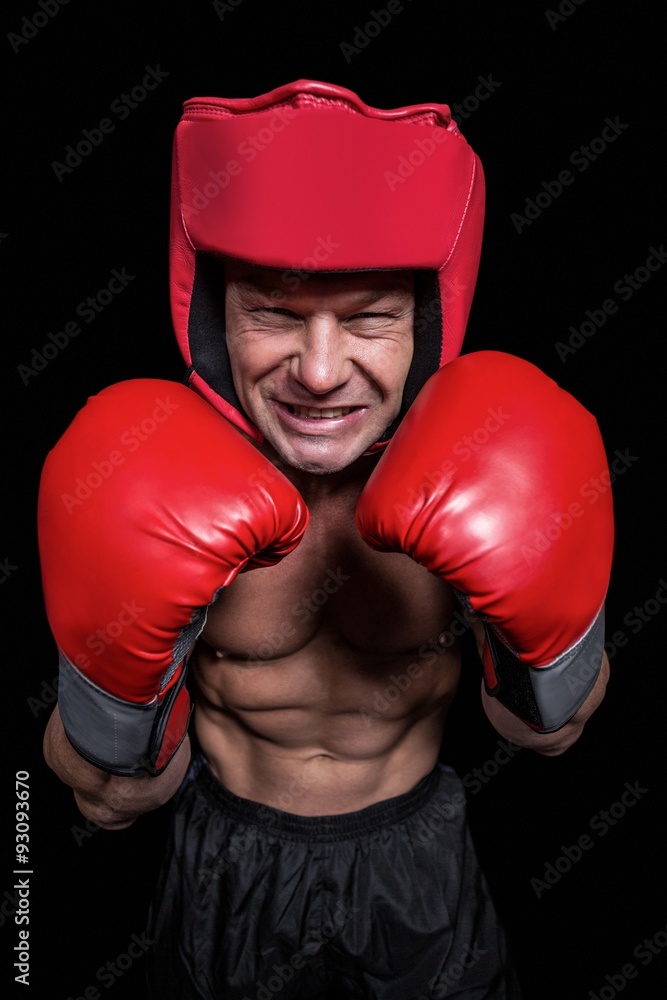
(335, 586)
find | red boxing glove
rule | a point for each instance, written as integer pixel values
(149, 504)
(487, 484)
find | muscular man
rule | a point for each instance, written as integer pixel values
(305, 553)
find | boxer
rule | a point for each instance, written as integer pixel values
(286, 543)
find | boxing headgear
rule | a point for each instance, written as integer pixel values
(309, 178)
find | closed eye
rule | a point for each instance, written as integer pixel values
(373, 315)
(274, 310)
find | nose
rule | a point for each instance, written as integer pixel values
(322, 362)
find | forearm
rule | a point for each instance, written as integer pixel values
(549, 744)
(111, 801)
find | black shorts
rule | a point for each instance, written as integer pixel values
(389, 902)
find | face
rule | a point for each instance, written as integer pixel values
(319, 361)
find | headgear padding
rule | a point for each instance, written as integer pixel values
(309, 178)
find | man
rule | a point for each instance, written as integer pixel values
(306, 556)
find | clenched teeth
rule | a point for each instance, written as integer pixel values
(318, 414)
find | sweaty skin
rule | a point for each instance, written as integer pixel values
(322, 683)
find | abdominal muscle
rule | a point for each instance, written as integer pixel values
(322, 683)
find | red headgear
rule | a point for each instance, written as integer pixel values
(309, 178)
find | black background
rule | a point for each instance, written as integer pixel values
(553, 87)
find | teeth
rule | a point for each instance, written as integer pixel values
(318, 414)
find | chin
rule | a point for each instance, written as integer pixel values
(318, 466)
(316, 470)
(321, 464)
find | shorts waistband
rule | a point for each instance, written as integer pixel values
(320, 829)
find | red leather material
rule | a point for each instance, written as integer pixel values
(149, 503)
(308, 177)
(488, 483)
(278, 206)
(174, 730)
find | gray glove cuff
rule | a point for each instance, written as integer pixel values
(548, 697)
(118, 736)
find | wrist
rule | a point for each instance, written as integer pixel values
(111, 801)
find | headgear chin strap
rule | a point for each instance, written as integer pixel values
(309, 178)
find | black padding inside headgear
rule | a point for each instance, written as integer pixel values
(208, 347)
(206, 327)
(427, 342)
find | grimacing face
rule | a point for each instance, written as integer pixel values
(319, 361)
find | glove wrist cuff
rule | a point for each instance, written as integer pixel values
(546, 698)
(122, 737)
